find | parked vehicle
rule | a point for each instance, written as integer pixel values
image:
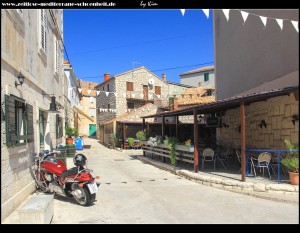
(52, 176)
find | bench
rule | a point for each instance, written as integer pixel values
(38, 209)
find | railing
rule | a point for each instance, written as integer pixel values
(278, 158)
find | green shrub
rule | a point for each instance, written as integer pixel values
(130, 142)
(140, 135)
(292, 160)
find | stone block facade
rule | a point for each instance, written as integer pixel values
(20, 51)
(277, 112)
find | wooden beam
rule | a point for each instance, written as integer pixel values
(195, 141)
(143, 125)
(177, 124)
(163, 126)
(124, 135)
(243, 140)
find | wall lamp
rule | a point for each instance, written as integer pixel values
(20, 79)
(263, 124)
(295, 118)
(225, 125)
(53, 107)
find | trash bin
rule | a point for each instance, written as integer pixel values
(79, 144)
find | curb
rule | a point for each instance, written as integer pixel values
(275, 192)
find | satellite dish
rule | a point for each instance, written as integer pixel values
(151, 81)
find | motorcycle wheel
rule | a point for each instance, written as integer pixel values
(39, 183)
(84, 197)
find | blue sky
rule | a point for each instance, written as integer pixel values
(114, 41)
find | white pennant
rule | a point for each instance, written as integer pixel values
(116, 94)
(280, 23)
(206, 12)
(133, 95)
(182, 11)
(98, 92)
(142, 95)
(106, 93)
(158, 96)
(295, 24)
(88, 91)
(244, 15)
(263, 19)
(79, 89)
(226, 13)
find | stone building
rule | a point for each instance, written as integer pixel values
(126, 92)
(87, 108)
(31, 47)
(201, 77)
(262, 58)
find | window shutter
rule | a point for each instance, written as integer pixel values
(10, 118)
(29, 123)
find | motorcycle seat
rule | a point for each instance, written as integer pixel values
(66, 173)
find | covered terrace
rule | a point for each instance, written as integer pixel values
(240, 103)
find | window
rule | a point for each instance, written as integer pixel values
(92, 112)
(107, 87)
(59, 126)
(130, 105)
(157, 90)
(206, 77)
(19, 121)
(43, 30)
(92, 98)
(129, 86)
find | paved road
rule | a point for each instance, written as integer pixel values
(134, 192)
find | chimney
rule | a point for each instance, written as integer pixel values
(164, 77)
(106, 76)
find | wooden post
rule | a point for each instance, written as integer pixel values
(124, 135)
(143, 125)
(163, 126)
(195, 142)
(243, 140)
(177, 124)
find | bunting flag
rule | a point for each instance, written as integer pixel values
(296, 25)
(133, 95)
(88, 91)
(206, 12)
(182, 11)
(280, 23)
(98, 92)
(264, 20)
(226, 13)
(79, 89)
(158, 96)
(106, 93)
(244, 15)
(142, 95)
(116, 94)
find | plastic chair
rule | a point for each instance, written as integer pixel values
(263, 161)
(209, 156)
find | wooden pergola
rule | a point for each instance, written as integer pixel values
(220, 106)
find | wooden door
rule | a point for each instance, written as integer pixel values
(145, 91)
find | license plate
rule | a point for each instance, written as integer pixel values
(93, 187)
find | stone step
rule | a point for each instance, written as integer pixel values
(38, 209)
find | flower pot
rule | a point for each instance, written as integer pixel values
(294, 178)
(69, 140)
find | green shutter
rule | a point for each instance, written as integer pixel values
(29, 122)
(57, 125)
(10, 120)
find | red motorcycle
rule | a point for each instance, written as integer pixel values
(52, 176)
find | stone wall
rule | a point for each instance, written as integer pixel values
(277, 112)
(20, 52)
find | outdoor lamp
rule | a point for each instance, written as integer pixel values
(20, 79)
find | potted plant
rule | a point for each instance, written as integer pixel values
(291, 162)
(130, 142)
(141, 136)
(70, 132)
